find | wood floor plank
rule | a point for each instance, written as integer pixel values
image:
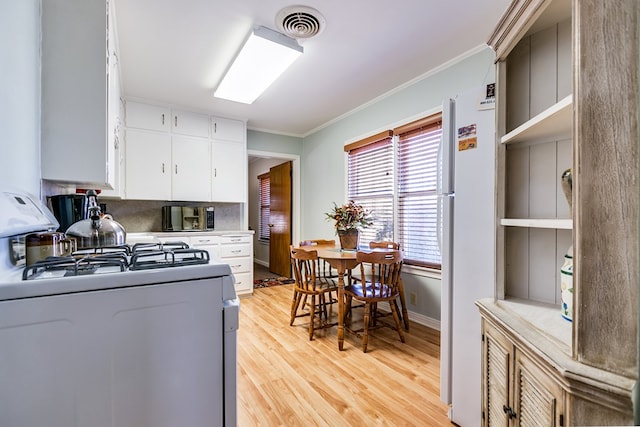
(284, 379)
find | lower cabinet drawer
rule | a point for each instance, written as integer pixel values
(230, 251)
(244, 283)
(233, 240)
(240, 265)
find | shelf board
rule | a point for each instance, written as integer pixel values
(553, 123)
(558, 223)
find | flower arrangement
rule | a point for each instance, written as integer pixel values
(350, 216)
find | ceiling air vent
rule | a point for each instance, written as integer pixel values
(300, 22)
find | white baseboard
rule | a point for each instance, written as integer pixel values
(424, 320)
(260, 262)
(420, 319)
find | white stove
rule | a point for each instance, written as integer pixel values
(142, 335)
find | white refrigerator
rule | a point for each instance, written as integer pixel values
(466, 196)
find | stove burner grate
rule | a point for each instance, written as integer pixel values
(72, 266)
(111, 259)
(147, 260)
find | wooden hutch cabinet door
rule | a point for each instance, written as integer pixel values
(538, 401)
(497, 359)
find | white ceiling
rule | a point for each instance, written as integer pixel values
(176, 51)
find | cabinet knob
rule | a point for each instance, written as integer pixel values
(175, 121)
(507, 410)
(163, 121)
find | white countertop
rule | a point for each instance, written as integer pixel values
(140, 237)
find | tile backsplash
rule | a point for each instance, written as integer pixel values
(139, 216)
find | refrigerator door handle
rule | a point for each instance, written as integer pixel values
(445, 176)
(439, 222)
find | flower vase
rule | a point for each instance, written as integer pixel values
(349, 239)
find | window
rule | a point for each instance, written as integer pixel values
(417, 214)
(264, 232)
(394, 174)
(370, 183)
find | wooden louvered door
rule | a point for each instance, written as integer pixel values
(497, 352)
(537, 400)
(516, 391)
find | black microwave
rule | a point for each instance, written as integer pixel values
(187, 218)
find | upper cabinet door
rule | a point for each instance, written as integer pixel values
(74, 94)
(146, 116)
(228, 129)
(191, 169)
(190, 124)
(148, 165)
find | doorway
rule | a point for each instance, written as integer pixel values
(260, 162)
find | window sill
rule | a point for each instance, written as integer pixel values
(422, 271)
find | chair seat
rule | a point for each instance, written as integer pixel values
(320, 288)
(371, 292)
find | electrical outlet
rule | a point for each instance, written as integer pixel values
(413, 298)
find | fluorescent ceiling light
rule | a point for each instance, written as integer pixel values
(263, 58)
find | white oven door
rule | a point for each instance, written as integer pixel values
(140, 356)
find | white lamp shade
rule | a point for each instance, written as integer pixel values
(263, 58)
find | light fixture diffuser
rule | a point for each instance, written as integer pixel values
(264, 57)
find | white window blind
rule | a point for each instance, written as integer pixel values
(264, 232)
(370, 183)
(417, 193)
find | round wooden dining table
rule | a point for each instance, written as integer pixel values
(343, 260)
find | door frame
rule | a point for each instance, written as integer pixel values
(295, 189)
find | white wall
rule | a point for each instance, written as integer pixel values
(20, 94)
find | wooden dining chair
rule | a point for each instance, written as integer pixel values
(385, 244)
(324, 269)
(378, 281)
(307, 286)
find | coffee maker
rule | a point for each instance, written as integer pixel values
(69, 208)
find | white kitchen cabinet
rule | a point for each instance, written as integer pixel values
(116, 115)
(191, 173)
(148, 165)
(237, 251)
(228, 160)
(76, 127)
(162, 167)
(147, 116)
(223, 129)
(191, 124)
(217, 172)
(229, 172)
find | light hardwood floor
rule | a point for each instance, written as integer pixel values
(286, 380)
